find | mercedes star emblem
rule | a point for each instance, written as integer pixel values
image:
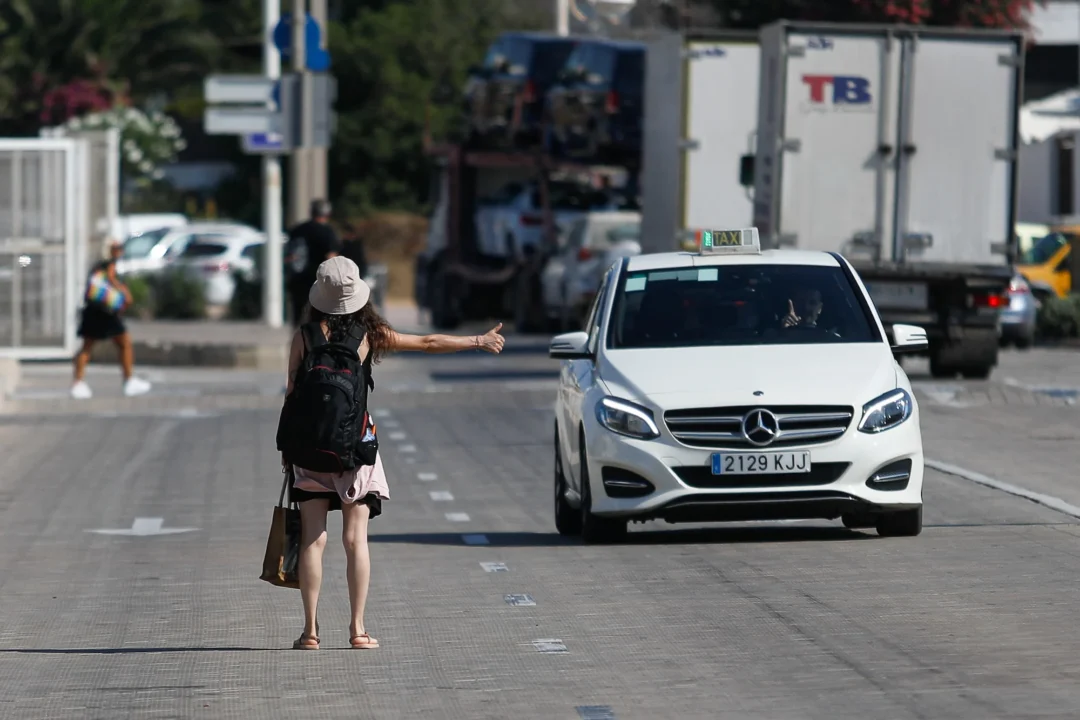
(760, 427)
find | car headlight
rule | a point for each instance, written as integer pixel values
(626, 418)
(886, 411)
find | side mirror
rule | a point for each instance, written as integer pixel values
(909, 339)
(570, 346)
(746, 171)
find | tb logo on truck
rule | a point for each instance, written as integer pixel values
(848, 92)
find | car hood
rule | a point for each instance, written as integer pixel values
(783, 374)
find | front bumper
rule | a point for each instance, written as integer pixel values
(683, 488)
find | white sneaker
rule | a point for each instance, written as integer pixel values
(81, 391)
(136, 386)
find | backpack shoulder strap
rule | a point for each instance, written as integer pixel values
(313, 336)
(367, 369)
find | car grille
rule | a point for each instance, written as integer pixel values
(722, 427)
(701, 476)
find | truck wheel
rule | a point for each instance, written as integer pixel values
(445, 312)
(977, 372)
(939, 369)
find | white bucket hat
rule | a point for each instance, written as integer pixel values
(338, 288)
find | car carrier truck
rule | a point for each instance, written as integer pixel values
(897, 147)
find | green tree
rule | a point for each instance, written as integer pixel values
(953, 13)
(122, 48)
(390, 63)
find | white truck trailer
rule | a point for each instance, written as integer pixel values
(897, 147)
(700, 119)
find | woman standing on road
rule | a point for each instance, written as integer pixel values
(339, 308)
(99, 324)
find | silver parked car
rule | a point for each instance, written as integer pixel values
(1018, 317)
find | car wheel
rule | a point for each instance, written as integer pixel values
(567, 519)
(858, 521)
(1024, 342)
(596, 529)
(905, 523)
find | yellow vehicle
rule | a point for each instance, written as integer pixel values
(1047, 265)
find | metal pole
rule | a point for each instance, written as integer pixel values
(299, 189)
(271, 171)
(562, 17)
(317, 156)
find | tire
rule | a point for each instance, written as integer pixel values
(905, 523)
(445, 312)
(567, 519)
(977, 372)
(595, 529)
(1024, 342)
(939, 369)
(858, 521)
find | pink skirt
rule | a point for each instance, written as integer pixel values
(350, 486)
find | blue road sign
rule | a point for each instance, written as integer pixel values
(259, 143)
(317, 59)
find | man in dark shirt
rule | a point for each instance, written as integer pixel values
(310, 244)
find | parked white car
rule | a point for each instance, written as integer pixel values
(734, 384)
(512, 220)
(151, 251)
(571, 277)
(215, 259)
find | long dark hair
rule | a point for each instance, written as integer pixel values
(365, 320)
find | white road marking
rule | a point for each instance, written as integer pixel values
(549, 646)
(476, 540)
(519, 600)
(1054, 503)
(391, 424)
(407, 448)
(490, 566)
(457, 517)
(441, 496)
(381, 413)
(397, 436)
(427, 477)
(143, 526)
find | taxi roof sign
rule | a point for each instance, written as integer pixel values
(729, 242)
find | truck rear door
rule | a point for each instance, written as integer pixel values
(957, 165)
(721, 117)
(838, 176)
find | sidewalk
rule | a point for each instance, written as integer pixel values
(223, 343)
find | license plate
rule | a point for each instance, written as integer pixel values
(760, 463)
(899, 296)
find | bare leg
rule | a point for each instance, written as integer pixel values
(127, 354)
(312, 545)
(82, 359)
(354, 537)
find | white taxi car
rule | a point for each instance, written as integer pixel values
(732, 384)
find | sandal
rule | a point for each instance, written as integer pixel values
(307, 642)
(363, 641)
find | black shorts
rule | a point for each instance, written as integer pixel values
(373, 501)
(98, 324)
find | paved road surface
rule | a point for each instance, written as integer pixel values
(973, 619)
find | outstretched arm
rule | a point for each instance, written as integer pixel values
(491, 342)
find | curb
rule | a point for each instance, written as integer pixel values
(10, 373)
(249, 357)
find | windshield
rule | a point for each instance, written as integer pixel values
(738, 305)
(203, 249)
(1044, 248)
(139, 246)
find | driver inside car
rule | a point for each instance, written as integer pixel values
(804, 309)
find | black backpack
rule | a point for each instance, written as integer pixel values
(325, 425)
